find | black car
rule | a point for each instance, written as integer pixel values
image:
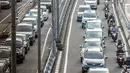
(5, 4)
(20, 50)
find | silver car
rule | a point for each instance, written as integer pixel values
(27, 29)
(32, 21)
(5, 4)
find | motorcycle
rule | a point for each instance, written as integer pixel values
(106, 15)
(114, 36)
(120, 60)
(120, 46)
(109, 30)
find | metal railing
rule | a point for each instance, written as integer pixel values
(52, 56)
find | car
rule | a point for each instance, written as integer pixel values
(93, 42)
(5, 53)
(88, 16)
(25, 41)
(0, 5)
(46, 3)
(94, 24)
(35, 16)
(98, 48)
(94, 33)
(34, 22)
(20, 50)
(27, 29)
(93, 58)
(92, 3)
(80, 10)
(4, 66)
(5, 4)
(98, 70)
(45, 12)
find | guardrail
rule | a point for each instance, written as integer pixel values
(124, 22)
(52, 57)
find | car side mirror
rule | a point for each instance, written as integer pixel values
(103, 27)
(80, 46)
(106, 57)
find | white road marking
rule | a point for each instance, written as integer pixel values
(58, 62)
(10, 14)
(60, 3)
(120, 30)
(68, 38)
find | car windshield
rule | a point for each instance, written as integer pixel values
(4, 54)
(93, 55)
(81, 9)
(91, 43)
(31, 21)
(94, 25)
(24, 29)
(23, 38)
(98, 72)
(46, 0)
(18, 44)
(94, 34)
(89, 15)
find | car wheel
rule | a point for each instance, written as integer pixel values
(35, 36)
(26, 50)
(81, 60)
(31, 42)
(21, 61)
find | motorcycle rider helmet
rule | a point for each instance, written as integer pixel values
(119, 42)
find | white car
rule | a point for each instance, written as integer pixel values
(93, 58)
(27, 29)
(45, 12)
(94, 24)
(81, 10)
(92, 3)
(93, 42)
(34, 22)
(89, 15)
(99, 70)
(94, 33)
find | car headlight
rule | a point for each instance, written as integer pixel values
(101, 64)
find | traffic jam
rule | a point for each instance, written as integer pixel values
(93, 50)
(26, 34)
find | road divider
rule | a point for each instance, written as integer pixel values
(122, 24)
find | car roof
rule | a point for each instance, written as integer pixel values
(25, 24)
(2, 47)
(84, 6)
(97, 20)
(92, 39)
(95, 29)
(91, 11)
(29, 18)
(17, 39)
(33, 10)
(41, 6)
(99, 69)
(18, 34)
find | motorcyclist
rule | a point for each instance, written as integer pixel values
(120, 56)
(114, 29)
(119, 51)
(111, 17)
(119, 44)
(106, 3)
(106, 7)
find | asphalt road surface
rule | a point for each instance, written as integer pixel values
(30, 62)
(72, 63)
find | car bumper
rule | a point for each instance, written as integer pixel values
(94, 6)
(5, 6)
(87, 67)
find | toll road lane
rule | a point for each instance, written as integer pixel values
(30, 63)
(5, 13)
(75, 38)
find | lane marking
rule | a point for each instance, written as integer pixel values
(10, 13)
(68, 38)
(120, 30)
(60, 3)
